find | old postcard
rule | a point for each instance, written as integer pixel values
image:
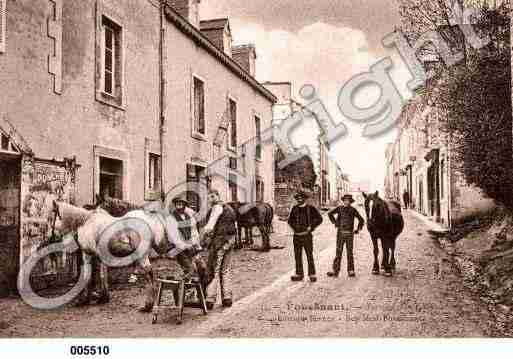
(255, 169)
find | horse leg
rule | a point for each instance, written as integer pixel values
(239, 244)
(102, 282)
(383, 250)
(392, 254)
(386, 256)
(249, 235)
(266, 245)
(149, 290)
(375, 247)
(84, 298)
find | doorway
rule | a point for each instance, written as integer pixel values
(10, 185)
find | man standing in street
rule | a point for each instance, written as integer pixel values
(303, 220)
(406, 199)
(343, 218)
(220, 231)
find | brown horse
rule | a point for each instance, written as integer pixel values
(385, 222)
(251, 215)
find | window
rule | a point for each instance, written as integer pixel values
(5, 142)
(442, 179)
(111, 177)
(3, 27)
(258, 148)
(111, 70)
(259, 190)
(153, 173)
(232, 110)
(232, 186)
(199, 107)
(233, 163)
(195, 174)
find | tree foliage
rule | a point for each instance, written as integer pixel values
(477, 101)
(300, 173)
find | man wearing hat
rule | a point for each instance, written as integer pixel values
(343, 218)
(303, 220)
(220, 231)
(182, 232)
(187, 256)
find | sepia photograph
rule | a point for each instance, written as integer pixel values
(192, 169)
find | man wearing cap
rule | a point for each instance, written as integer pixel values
(343, 218)
(187, 257)
(303, 220)
(182, 232)
(220, 231)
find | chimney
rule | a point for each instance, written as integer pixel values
(219, 33)
(189, 9)
(245, 56)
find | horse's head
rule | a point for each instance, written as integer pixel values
(374, 206)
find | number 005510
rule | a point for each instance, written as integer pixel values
(89, 350)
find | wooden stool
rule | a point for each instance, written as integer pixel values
(179, 288)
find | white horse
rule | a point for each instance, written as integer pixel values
(114, 242)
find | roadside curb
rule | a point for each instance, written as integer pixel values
(432, 225)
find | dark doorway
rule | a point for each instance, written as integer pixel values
(111, 178)
(10, 184)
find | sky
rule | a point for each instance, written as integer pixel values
(323, 43)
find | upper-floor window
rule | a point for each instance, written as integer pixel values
(259, 190)
(232, 111)
(3, 27)
(258, 138)
(112, 61)
(153, 172)
(199, 126)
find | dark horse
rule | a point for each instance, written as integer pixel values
(251, 215)
(384, 221)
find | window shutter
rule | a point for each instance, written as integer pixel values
(3, 20)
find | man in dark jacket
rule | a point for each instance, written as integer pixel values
(343, 218)
(188, 258)
(303, 220)
(221, 231)
(406, 199)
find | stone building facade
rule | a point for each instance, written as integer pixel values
(420, 162)
(125, 98)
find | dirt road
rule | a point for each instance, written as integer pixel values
(425, 298)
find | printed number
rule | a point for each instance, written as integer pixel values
(89, 350)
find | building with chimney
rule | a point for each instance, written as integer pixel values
(126, 98)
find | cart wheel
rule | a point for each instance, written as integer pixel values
(154, 319)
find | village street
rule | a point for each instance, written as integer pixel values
(425, 298)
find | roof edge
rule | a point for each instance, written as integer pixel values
(188, 29)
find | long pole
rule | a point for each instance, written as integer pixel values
(162, 95)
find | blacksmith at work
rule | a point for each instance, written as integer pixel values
(188, 257)
(220, 231)
(343, 218)
(303, 220)
(185, 247)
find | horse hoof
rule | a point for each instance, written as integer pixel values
(388, 274)
(375, 272)
(145, 309)
(103, 300)
(82, 303)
